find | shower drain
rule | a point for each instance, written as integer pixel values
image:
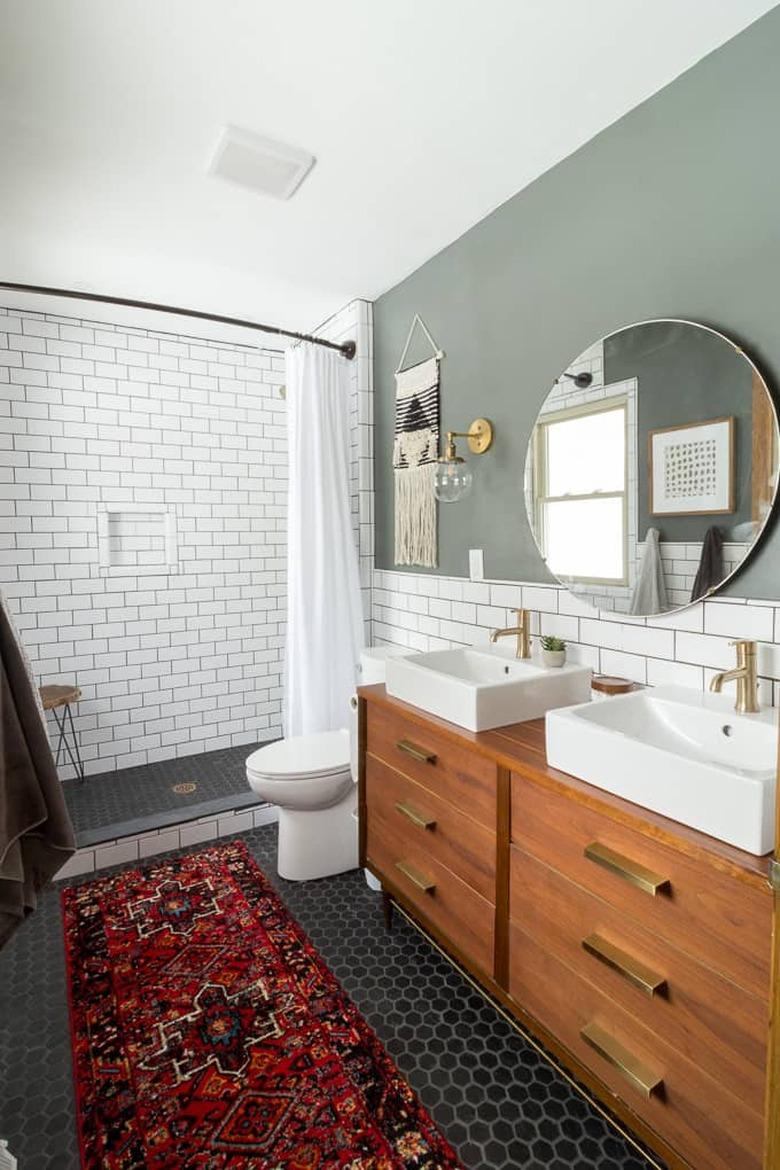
(184, 789)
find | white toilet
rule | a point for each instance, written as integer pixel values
(312, 779)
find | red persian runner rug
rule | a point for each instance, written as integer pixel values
(207, 1032)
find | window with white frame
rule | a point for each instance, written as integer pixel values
(581, 492)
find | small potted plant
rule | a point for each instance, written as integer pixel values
(553, 650)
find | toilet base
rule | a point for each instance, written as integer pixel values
(318, 844)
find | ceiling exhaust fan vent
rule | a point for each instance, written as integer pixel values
(260, 164)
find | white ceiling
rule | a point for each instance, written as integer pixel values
(423, 115)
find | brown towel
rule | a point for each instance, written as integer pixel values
(36, 835)
(710, 572)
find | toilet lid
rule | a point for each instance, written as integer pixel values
(302, 756)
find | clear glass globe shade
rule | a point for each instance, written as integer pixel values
(452, 482)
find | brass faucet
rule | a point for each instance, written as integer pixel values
(522, 630)
(746, 675)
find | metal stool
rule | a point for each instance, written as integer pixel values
(53, 697)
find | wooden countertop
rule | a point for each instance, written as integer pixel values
(520, 747)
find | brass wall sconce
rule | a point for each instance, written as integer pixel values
(454, 478)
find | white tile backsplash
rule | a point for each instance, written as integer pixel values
(743, 621)
(670, 650)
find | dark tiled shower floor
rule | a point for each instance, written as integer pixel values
(498, 1101)
(115, 804)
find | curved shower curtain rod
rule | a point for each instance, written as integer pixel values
(347, 348)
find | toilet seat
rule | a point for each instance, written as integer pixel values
(304, 757)
(304, 774)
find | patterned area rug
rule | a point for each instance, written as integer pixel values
(207, 1032)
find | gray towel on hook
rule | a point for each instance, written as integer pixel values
(649, 594)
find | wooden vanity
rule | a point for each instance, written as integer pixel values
(636, 950)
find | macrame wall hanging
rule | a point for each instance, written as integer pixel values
(415, 452)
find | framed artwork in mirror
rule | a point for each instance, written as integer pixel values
(691, 468)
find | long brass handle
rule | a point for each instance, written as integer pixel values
(426, 884)
(422, 820)
(417, 753)
(639, 1075)
(637, 974)
(631, 871)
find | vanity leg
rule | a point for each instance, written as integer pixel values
(387, 910)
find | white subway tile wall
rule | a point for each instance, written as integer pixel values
(142, 845)
(98, 418)
(429, 612)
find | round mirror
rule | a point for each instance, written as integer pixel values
(652, 468)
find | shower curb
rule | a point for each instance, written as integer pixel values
(138, 846)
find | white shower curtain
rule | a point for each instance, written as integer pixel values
(324, 606)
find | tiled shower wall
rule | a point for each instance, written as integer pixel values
(143, 480)
(176, 645)
(430, 612)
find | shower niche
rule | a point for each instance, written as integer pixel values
(138, 539)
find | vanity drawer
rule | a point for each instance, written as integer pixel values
(426, 821)
(723, 922)
(695, 1114)
(462, 919)
(447, 768)
(703, 1016)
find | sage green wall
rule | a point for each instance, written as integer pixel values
(685, 375)
(674, 211)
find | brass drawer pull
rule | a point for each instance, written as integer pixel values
(630, 871)
(645, 1080)
(426, 884)
(420, 819)
(637, 974)
(417, 753)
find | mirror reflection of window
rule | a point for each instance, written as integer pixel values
(653, 467)
(581, 492)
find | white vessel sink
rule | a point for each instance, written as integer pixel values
(480, 689)
(683, 753)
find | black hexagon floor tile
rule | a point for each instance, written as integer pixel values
(497, 1099)
(110, 798)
